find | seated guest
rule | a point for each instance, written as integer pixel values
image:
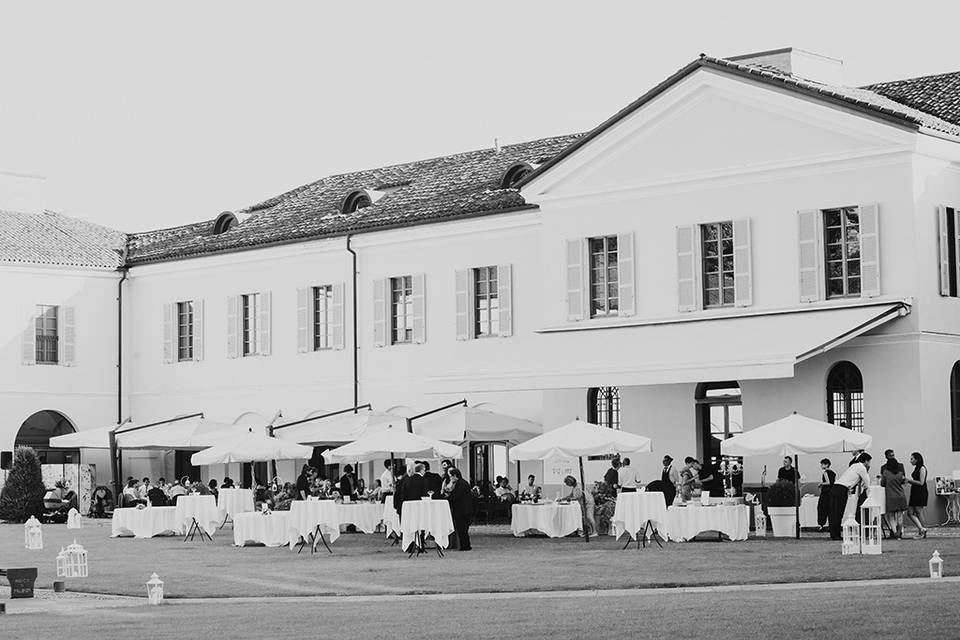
(131, 495)
(200, 488)
(531, 489)
(157, 496)
(281, 501)
(226, 484)
(144, 488)
(376, 494)
(162, 484)
(361, 488)
(504, 491)
(182, 488)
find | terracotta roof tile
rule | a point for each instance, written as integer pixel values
(937, 95)
(50, 238)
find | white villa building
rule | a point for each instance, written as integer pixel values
(749, 238)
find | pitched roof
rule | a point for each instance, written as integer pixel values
(50, 238)
(938, 95)
(449, 187)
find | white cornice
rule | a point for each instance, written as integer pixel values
(57, 270)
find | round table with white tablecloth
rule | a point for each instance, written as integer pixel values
(431, 516)
(808, 510)
(307, 515)
(272, 530)
(203, 509)
(365, 516)
(234, 501)
(146, 522)
(635, 509)
(554, 519)
(391, 519)
(684, 523)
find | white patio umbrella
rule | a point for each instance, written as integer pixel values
(346, 427)
(463, 424)
(792, 436)
(251, 447)
(577, 439)
(390, 442)
(194, 433)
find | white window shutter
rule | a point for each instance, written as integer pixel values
(263, 323)
(419, 309)
(198, 330)
(28, 342)
(742, 263)
(869, 251)
(463, 303)
(68, 331)
(168, 333)
(956, 243)
(626, 275)
(505, 299)
(380, 287)
(809, 224)
(576, 293)
(303, 320)
(233, 326)
(336, 316)
(686, 268)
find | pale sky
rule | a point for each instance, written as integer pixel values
(144, 117)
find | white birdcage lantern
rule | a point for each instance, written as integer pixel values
(76, 561)
(62, 563)
(936, 566)
(74, 519)
(155, 589)
(27, 526)
(851, 537)
(759, 521)
(871, 533)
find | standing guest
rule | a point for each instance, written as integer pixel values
(827, 478)
(856, 475)
(892, 478)
(434, 481)
(585, 498)
(627, 477)
(303, 483)
(414, 485)
(461, 508)
(918, 493)
(448, 480)
(348, 484)
(710, 481)
(376, 494)
(669, 478)
(212, 485)
(144, 488)
(612, 476)
(788, 472)
(386, 481)
(688, 478)
(856, 452)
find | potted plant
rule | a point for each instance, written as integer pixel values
(781, 507)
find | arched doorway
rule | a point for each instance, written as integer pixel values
(36, 431)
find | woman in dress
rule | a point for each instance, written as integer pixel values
(892, 478)
(585, 498)
(918, 493)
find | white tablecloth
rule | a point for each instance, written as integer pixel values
(808, 511)
(203, 509)
(146, 522)
(306, 515)
(272, 530)
(391, 520)
(684, 523)
(875, 490)
(234, 501)
(634, 509)
(555, 520)
(366, 516)
(432, 516)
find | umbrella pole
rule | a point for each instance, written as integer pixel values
(796, 466)
(583, 489)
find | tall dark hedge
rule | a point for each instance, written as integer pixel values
(22, 495)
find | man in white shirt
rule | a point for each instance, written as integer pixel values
(386, 481)
(627, 477)
(856, 475)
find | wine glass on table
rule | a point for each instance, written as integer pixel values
(430, 494)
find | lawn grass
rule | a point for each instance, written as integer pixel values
(916, 610)
(367, 564)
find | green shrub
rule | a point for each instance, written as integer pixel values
(22, 494)
(782, 493)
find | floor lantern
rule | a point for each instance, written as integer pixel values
(62, 563)
(936, 566)
(759, 520)
(33, 533)
(155, 589)
(76, 561)
(74, 520)
(851, 537)
(871, 533)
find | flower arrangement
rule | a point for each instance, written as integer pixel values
(605, 503)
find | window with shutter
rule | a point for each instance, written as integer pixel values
(604, 276)
(401, 310)
(486, 302)
(48, 343)
(322, 317)
(250, 318)
(185, 328)
(717, 264)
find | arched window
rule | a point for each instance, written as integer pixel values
(515, 174)
(845, 396)
(36, 432)
(955, 406)
(354, 201)
(603, 406)
(223, 222)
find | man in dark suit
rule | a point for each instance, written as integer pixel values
(461, 508)
(348, 485)
(434, 481)
(413, 486)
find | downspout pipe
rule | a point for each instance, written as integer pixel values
(115, 460)
(356, 345)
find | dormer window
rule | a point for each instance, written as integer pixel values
(224, 221)
(355, 201)
(515, 174)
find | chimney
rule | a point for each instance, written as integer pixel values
(797, 62)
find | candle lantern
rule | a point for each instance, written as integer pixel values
(871, 533)
(936, 566)
(851, 537)
(155, 589)
(29, 538)
(74, 520)
(62, 563)
(759, 520)
(76, 561)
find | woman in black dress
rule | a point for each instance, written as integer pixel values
(918, 493)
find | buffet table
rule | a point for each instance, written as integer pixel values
(272, 530)
(430, 516)
(684, 523)
(554, 519)
(365, 516)
(146, 522)
(309, 517)
(634, 510)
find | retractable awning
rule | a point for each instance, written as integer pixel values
(740, 346)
